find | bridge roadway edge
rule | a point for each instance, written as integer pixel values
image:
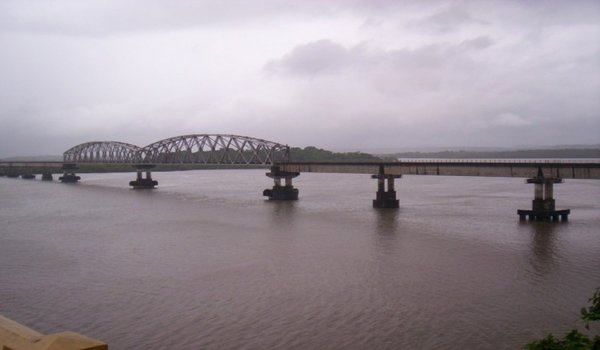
(537, 172)
(523, 169)
(543, 174)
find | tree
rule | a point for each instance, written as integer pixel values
(574, 340)
(592, 313)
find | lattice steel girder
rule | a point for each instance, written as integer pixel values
(196, 148)
(214, 149)
(102, 152)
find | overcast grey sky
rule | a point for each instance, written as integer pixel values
(354, 75)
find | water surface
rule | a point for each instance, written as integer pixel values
(205, 262)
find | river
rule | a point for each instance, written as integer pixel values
(205, 262)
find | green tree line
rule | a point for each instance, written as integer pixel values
(573, 340)
(314, 154)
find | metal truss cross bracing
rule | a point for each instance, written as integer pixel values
(102, 152)
(187, 149)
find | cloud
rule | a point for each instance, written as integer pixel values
(510, 120)
(337, 74)
(428, 66)
(448, 20)
(319, 57)
(478, 43)
(445, 91)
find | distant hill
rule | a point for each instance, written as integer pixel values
(505, 154)
(33, 159)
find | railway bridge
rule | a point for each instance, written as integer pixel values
(220, 149)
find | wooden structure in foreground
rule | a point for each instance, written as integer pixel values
(15, 336)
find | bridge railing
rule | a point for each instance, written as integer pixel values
(501, 160)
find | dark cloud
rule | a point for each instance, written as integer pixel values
(447, 20)
(433, 89)
(319, 57)
(420, 64)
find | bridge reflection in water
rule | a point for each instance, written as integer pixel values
(218, 149)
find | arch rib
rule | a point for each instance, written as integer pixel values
(192, 149)
(102, 152)
(214, 149)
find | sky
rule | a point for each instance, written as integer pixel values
(335, 74)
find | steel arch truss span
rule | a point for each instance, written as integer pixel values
(102, 152)
(214, 149)
(192, 149)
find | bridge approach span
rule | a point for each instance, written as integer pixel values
(516, 168)
(542, 174)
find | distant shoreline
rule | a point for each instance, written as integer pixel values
(315, 154)
(516, 154)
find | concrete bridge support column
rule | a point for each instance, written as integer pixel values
(140, 182)
(543, 206)
(12, 172)
(69, 175)
(385, 199)
(47, 175)
(27, 174)
(278, 192)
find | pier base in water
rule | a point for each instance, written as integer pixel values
(69, 175)
(536, 215)
(385, 198)
(543, 206)
(281, 193)
(286, 192)
(141, 183)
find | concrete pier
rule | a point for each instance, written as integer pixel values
(385, 198)
(543, 205)
(69, 175)
(141, 182)
(279, 192)
(12, 172)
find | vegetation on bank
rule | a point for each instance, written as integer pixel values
(573, 340)
(314, 154)
(515, 154)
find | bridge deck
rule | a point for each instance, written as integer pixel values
(32, 163)
(524, 169)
